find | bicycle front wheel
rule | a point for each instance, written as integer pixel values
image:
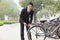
(37, 33)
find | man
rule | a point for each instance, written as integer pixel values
(26, 18)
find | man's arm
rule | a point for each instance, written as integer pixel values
(21, 17)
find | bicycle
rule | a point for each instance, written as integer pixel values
(44, 29)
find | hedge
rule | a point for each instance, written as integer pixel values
(1, 23)
(6, 22)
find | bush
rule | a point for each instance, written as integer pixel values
(9, 22)
(6, 22)
(1, 23)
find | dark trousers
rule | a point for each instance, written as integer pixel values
(22, 31)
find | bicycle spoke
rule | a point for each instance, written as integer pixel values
(37, 34)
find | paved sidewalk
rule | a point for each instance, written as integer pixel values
(12, 32)
(9, 32)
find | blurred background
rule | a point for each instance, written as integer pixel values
(10, 9)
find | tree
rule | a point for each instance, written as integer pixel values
(58, 5)
(13, 13)
(4, 8)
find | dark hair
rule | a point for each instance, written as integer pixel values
(30, 3)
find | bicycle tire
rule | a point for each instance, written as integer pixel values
(34, 27)
(58, 32)
(55, 33)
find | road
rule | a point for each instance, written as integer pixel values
(9, 32)
(12, 32)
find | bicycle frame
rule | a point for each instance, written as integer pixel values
(47, 29)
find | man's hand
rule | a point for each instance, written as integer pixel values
(29, 25)
(25, 24)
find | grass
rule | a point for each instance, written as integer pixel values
(9, 22)
(1, 23)
(6, 22)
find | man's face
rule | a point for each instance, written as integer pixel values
(30, 7)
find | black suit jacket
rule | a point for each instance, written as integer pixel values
(25, 16)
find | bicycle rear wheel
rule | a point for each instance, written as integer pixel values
(54, 34)
(37, 33)
(58, 32)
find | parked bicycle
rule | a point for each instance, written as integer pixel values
(44, 29)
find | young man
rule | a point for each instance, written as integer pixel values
(26, 18)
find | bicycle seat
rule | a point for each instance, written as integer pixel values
(43, 21)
